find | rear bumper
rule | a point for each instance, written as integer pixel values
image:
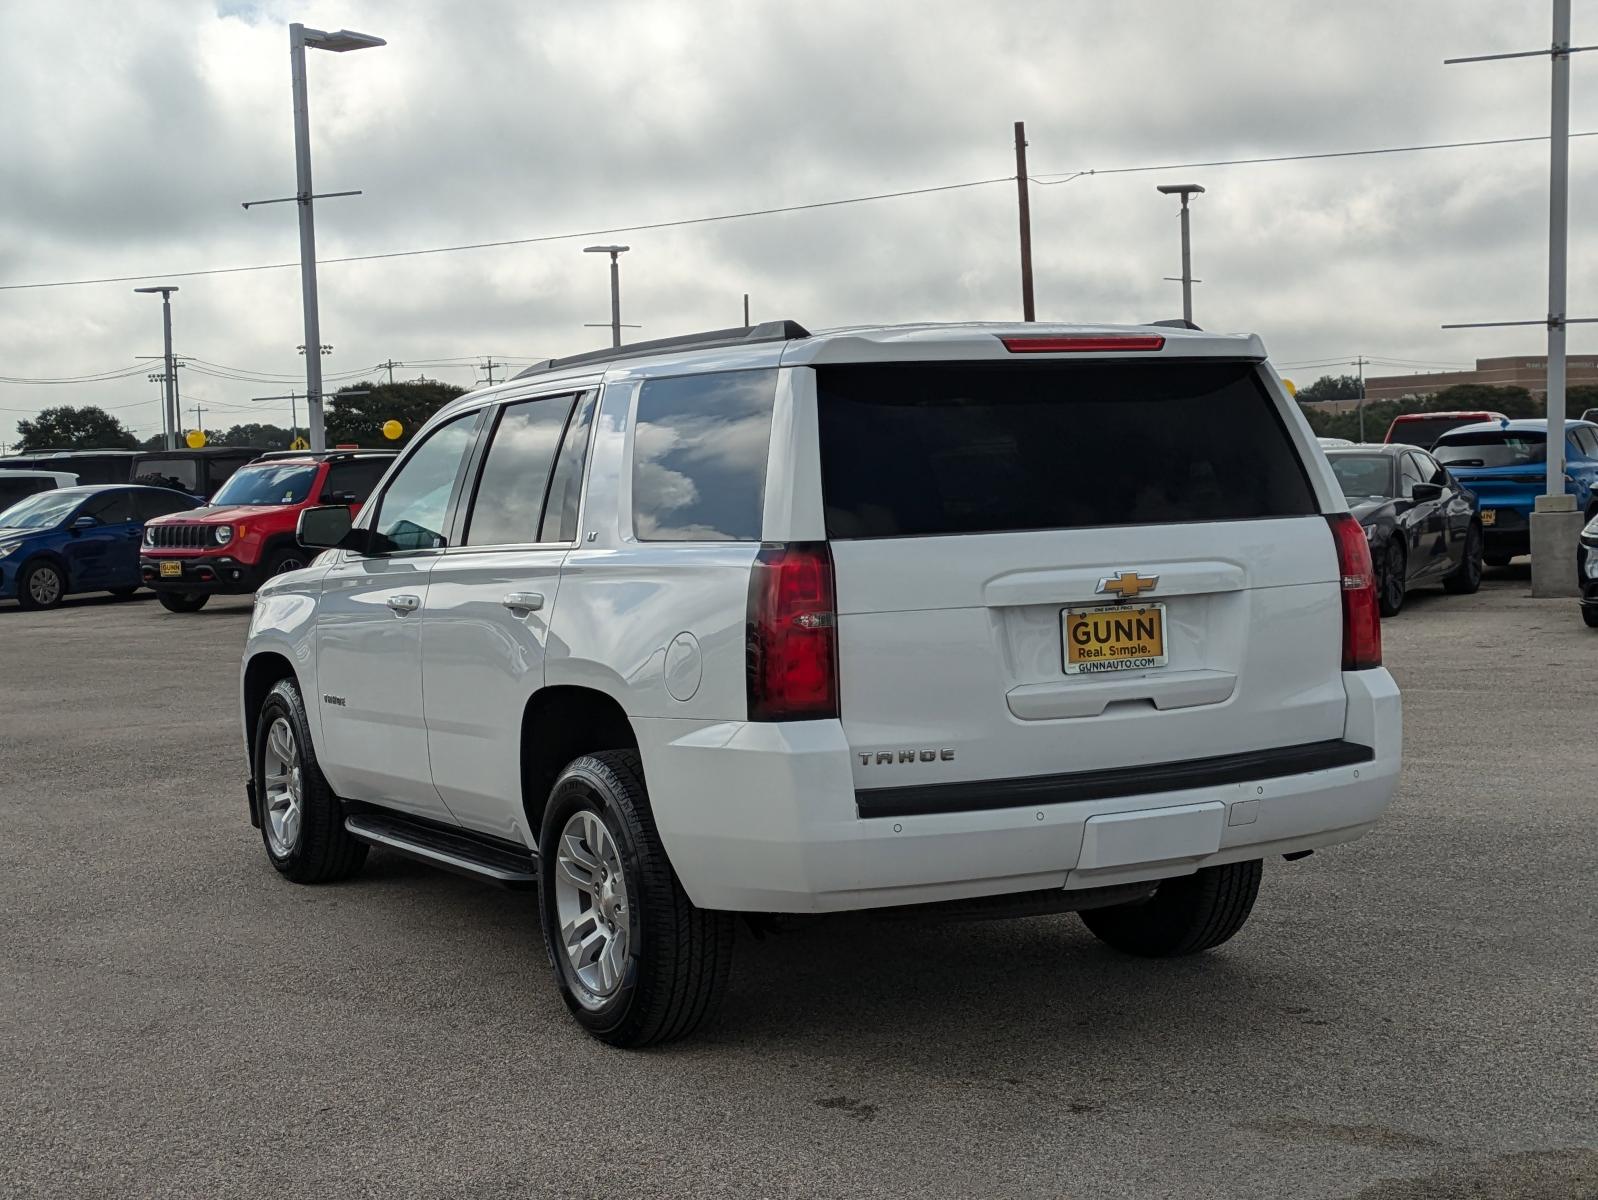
(212, 575)
(781, 830)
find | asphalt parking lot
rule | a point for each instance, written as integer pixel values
(1411, 1016)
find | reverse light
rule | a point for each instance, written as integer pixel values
(1098, 343)
(1362, 626)
(791, 646)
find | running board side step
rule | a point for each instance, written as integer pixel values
(460, 851)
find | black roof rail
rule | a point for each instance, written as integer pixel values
(1176, 323)
(738, 335)
(326, 455)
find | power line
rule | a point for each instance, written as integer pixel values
(526, 241)
(1046, 178)
(1049, 178)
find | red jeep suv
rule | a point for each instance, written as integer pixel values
(247, 532)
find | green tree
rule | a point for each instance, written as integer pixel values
(1330, 387)
(69, 428)
(1579, 397)
(359, 419)
(262, 437)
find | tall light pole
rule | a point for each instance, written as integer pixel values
(615, 253)
(1555, 522)
(169, 415)
(1184, 190)
(339, 41)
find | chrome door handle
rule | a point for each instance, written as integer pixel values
(404, 604)
(524, 602)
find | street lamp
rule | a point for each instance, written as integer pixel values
(1184, 190)
(339, 42)
(615, 253)
(169, 422)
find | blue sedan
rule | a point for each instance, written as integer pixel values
(78, 539)
(1505, 464)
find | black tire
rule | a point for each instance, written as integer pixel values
(289, 558)
(1589, 615)
(1497, 560)
(182, 602)
(35, 579)
(1184, 916)
(123, 593)
(322, 851)
(1393, 582)
(678, 956)
(1465, 579)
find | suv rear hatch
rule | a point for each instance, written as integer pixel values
(1506, 468)
(1053, 566)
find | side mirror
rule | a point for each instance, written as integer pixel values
(85, 522)
(329, 528)
(1423, 493)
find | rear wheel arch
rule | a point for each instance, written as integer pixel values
(560, 724)
(264, 672)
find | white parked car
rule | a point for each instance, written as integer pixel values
(18, 484)
(985, 618)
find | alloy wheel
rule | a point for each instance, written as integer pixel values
(287, 565)
(44, 586)
(1393, 577)
(591, 905)
(283, 784)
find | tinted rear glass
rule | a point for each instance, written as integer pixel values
(1425, 433)
(1496, 448)
(917, 449)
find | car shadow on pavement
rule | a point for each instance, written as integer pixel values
(963, 997)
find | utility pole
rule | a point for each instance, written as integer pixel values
(746, 310)
(1555, 522)
(1024, 199)
(169, 417)
(1360, 363)
(389, 366)
(1185, 190)
(489, 367)
(199, 420)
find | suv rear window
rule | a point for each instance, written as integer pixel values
(918, 449)
(1495, 448)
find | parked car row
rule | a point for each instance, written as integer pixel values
(57, 540)
(198, 473)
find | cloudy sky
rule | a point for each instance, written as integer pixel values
(133, 131)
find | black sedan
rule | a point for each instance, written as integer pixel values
(1423, 527)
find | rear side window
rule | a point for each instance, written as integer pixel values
(521, 457)
(699, 457)
(180, 473)
(352, 480)
(565, 489)
(920, 449)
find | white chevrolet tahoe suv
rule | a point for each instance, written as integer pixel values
(984, 619)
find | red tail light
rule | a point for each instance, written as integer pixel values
(1362, 625)
(1082, 344)
(792, 645)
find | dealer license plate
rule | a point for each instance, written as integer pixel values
(171, 570)
(1489, 516)
(1124, 637)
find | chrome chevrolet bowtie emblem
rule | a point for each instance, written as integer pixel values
(1127, 584)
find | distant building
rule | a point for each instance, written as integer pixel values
(1526, 371)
